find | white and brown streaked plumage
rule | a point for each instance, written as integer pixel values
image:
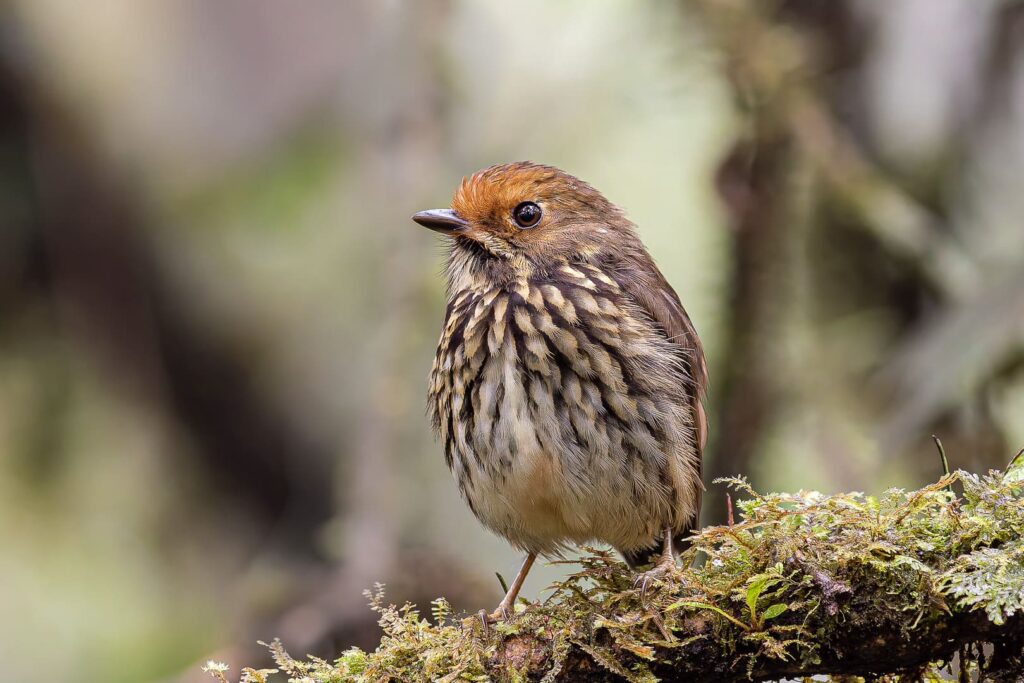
(568, 380)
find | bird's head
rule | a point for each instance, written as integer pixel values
(528, 215)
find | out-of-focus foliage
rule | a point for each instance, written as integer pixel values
(794, 581)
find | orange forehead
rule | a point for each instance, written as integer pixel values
(499, 189)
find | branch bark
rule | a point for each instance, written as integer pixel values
(870, 643)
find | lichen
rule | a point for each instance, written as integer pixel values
(770, 588)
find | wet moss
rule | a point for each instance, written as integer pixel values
(804, 583)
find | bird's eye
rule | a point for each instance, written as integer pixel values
(526, 214)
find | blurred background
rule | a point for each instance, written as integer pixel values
(216, 318)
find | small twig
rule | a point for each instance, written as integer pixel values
(504, 584)
(942, 455)
(1014, 461)
(728, 507)
(945, 462)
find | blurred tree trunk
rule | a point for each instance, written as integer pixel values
(827, 224)
(753, 184)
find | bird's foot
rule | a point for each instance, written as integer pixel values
(501, 614)
(506, 608)
(486, 619)
(657, 574)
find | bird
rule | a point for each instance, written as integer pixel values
(568, 384)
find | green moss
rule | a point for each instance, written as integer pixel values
(771, 587)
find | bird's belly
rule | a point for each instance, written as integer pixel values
(527, 477)
(563, 420)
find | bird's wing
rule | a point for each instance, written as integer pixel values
(644, 284)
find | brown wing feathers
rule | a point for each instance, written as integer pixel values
(646, 286)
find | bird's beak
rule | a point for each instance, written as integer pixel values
(441, 220)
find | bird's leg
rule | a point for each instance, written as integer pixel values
(668, 552)
(665, 564)
(505, 607)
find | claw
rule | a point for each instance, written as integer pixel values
(661, 570)
(501, 614)
(658, 573)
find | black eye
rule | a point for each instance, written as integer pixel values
(526, 214)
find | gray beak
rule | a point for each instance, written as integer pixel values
(441, 220)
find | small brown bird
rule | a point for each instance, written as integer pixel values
(568, 383)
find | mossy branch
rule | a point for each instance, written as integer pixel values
(804, 584)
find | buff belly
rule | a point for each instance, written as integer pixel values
(543, 505)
